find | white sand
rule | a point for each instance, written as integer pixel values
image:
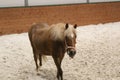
(97, 58)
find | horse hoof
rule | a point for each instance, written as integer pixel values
(38, 73)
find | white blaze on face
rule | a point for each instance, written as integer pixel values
(72, 35)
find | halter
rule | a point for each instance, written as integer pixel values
(69, 47)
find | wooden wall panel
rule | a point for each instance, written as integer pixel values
(17, 20)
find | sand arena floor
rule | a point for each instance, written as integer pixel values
(97, 58)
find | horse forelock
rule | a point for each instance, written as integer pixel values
(70, 32)
(58, 31)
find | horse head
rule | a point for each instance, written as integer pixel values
(70, 39)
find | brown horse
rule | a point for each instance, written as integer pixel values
(53, 40)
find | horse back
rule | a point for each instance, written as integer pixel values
(35, 27)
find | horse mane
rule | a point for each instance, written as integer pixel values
(59, 31)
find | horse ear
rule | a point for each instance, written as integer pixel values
(75, 26)
(66, 26)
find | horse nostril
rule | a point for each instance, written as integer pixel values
(72, 52)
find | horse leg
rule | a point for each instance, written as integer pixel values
(59, 70)
(35, 58)
(61, 58)
(40, 59)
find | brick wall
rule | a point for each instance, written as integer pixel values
(17, 20)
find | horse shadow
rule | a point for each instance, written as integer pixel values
(42, 74)
(47, 74)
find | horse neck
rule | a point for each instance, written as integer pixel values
(64, 46)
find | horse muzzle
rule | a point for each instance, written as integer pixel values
(71, 52)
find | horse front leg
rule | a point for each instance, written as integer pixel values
(59, 69)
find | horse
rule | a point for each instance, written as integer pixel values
(55, 41)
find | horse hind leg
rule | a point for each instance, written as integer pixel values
(40, 59)
(36, 59)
